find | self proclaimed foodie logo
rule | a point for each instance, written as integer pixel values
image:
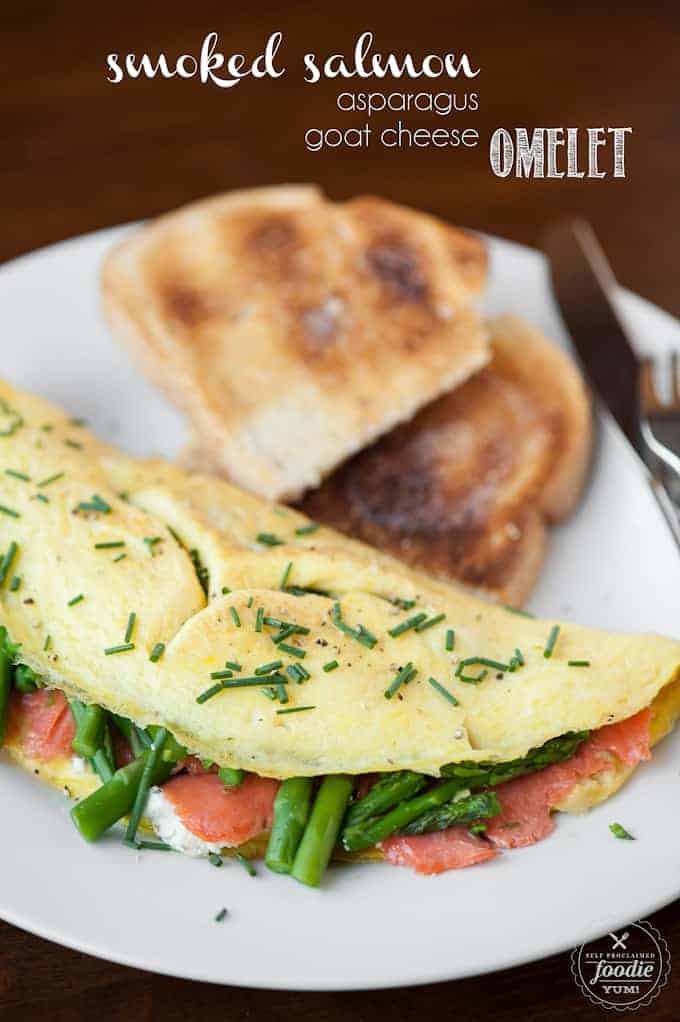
(623, 971)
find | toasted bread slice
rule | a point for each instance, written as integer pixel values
(465, 489)
(293, 330)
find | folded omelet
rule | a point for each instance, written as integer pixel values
(69, 498)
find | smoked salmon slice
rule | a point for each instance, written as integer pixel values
(526, 803)
(43, 723)
(227, 816)
(454, 848)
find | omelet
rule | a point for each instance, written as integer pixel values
(267, 644)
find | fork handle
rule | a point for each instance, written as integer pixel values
(667, 507)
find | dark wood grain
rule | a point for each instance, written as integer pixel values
(79, 153)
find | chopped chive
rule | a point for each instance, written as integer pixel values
(130, 625)
(110, 545)
(402, 677)
(483, 661)
(404, 604)
(75, 599)
(247, 864)
(96, 504)
(9, 511)
(516, 660)
(15, 583)
(214, 859)
(281, 693)
(250, 602)
(209, 693)
(238, 683)
(298, 673)
(286, 575)
(359, 633)
(268, 668)
(151, 541)
(75, 444)
(620, 832)
(234, 616)
(517, 610)
(225, 590)
(270, 693)
(221, 915)
(51, 479)
(578, 663)
(157, 652)
(330, 666)
(41, 497)
(450, 639)
(275, 622)
(259, 617)
(222, 675)
(269, 539)
(442, 691)
(550, 644)
(17, 475)
(7, 560)
(296, 709)
(120, 557)
(155, 846)
(292, 650)
(285, 633)
(47, 643)
(79, 421)
(430, 622)
(405, 626)
(124, 647)
(307, 530)
(233, 666)
(472, 679)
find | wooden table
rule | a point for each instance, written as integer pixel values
(80, 153)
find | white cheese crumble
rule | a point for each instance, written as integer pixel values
(79, 765)
(169, 828)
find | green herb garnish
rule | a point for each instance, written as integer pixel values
(95, 504)
(75, 599)
(444, 692)
(9, 511)
(405, 626)
(430, 622)
(157, 652)
(402, 678)
(51, 479)
(620, 832)
(296, 709)
(110, 545)
(130, 625)
(550, 644)
(330, 666)
(234, 616)
(359, 633)
(307, 530)
(124, 647)
(17, 475)
(269, 539)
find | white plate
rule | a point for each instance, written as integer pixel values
(612, 565)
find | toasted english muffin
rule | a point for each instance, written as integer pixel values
(293, 330)
(464, 491)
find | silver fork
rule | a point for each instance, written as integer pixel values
(660, 421)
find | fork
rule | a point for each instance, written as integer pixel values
(660, 421)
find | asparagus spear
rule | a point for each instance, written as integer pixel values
(105, 806)
(385, 793)
(291, 812)
(323, 826)
(101, 760)
(231, 777)
(25, 680)
(153, 758)
(463, 810)
(89, 728)
(370, 832)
